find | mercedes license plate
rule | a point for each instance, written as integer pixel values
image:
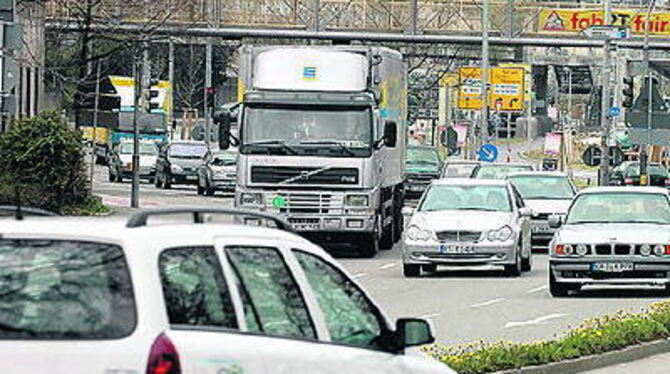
(455, 249)
(540, 229)
(612, 267)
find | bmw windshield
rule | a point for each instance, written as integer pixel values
(539, 187)
(624, 207)
(339, 131)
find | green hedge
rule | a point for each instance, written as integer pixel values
(593, 336)
(42, 164)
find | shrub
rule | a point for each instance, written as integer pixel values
(593, 336)
(42, 163)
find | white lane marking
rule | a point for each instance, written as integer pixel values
(359, 275)
(537, 289)
(537, 321)
(387, 266)
(487, 303)
(429, 316)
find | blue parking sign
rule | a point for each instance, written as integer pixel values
(488, 153)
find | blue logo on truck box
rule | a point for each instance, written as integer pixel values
(309, 73)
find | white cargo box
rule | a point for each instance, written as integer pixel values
(308, 69)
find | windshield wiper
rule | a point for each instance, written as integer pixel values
(274, 144)
(481, 209)
(329, 142)
(590, 221)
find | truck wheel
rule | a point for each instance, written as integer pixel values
(386, 241)
(411, 271)
(398, 220)
(369, 245)
(557, 289)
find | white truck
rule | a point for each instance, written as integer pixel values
(322, 141)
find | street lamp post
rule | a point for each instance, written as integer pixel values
(568, 71)
(606, 100)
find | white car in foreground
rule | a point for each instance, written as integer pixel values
(612, 235)
(466, 222)
(91, 297)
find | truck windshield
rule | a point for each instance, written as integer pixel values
(300, 130)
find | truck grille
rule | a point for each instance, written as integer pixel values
(459, 236)
(303, 175)
(309, 203)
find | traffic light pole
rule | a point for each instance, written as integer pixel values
(208, 85)
(605, 101)
(137, 76)
(644, 155)
(96, 107)
(484, 124)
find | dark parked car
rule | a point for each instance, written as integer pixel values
(178, 163)
(218, 173)
(459, 168)
(628, 174)
(422, 166)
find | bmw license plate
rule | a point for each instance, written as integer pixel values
(612, 267)
(455, 249)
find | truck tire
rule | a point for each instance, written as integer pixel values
(369, 246)
(386, 241)
(398, 220)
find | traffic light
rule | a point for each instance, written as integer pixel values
(211, 96)
(151, 94)
(627, 92)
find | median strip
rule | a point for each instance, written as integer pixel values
(592, 339)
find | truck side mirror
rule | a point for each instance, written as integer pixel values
(222, 119)
(390, 134)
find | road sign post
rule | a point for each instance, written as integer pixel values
(607, 32)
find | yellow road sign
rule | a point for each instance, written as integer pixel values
(507, 89)
(470, 88)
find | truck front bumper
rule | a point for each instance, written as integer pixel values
(582, 271)
(477, 254)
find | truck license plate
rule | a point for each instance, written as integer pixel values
(612, 267)
(455, 249)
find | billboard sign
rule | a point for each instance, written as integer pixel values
(577, 20)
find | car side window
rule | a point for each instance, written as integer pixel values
(517, 198)
(272, 294)
(195, 289)
(350, 317)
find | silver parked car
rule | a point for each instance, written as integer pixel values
(468, 222)
(612, 235)
(545, 193)
(498, 170)
(218, 172)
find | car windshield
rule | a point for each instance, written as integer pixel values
(620, 207)
(498, 171)
(447, 197)
(149, 149)
(422, 157)
(58, 289)
(188, 150)
(297, 130)
(224, 159)
(543, 187)
(459, 170)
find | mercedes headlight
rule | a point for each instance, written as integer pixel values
(502, 234)
(357, 200)
(417, 233)
(254, 198)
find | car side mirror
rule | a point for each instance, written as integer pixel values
(223, 120)
(407, 211)
(390, 134)
(525, 212)
(413, 332)
(555, 221)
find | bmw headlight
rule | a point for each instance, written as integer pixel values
(502, 234)
(176, 169)
(569, 250)
(417, 233)
(645, 249)
(357, 200)
(659, 250)
(249, 198)
(582, 249)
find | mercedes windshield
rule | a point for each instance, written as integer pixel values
(336, 131)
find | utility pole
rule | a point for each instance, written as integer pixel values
(605, 101)
(137, 76)
(415, 17)
(96, 107)
(170, 114)
(483, 129)
(510, 19)
(208, 86)
(644, 154)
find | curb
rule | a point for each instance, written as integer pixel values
(606, 359)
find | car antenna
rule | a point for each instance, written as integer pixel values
(18, 214)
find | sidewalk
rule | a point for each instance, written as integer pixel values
(659, 364)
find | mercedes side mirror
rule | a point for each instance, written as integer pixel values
(413, 332)
(223, 120)
(407, 211)
(390, 134)
(555, 221)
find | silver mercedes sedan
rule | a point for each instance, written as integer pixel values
(612, 235)
(468, 222)
(545, 193)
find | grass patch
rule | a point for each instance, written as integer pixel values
(593, 336)
(92, 207)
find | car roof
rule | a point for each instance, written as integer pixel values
(165, 235)
(537, 174)
(469, 182)
(502, 164)
(617, 189)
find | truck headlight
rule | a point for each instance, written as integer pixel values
(415, 232)
(253, 198)
(357, 200)
(502, 234)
